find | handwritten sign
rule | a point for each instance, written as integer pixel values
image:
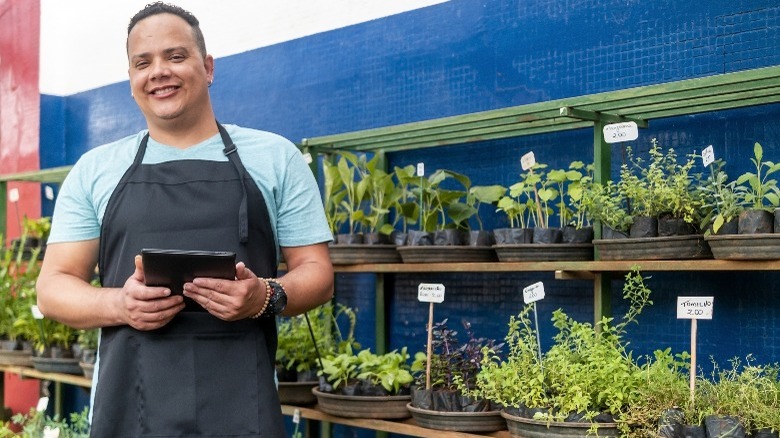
(533, 293)
(36, 312)
(307, 158)
(48, 192)
(707, 156)
(695, 307)
(420, 169)
(527, 161)
(430, 293)
(624, 131)
(13, 195)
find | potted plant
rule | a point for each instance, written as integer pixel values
(297, 358)
(585, 379)
(405, 209)
(573, 184)
(437, 401)
(517, 207)
(19, 268)
(461, 212)
(365, 385)
(87, 341)
(39, 424)
(721, 202)
(760, 195)
(605, 204)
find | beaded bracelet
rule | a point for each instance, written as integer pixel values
(267, 299)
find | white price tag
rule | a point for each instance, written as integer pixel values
(43, 403)
(617, 132)
(533, 293)
(296, 416)
(49, 193)
(430, 293)
(695, 307)
(527, 161)
(36, 312)
(420, 169)
(707, 156)
(307, 158)
(13, 195)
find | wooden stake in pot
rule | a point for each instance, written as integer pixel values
(532, 294)
(430, 293)
(694, 308)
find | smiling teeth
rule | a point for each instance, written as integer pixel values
(164, 90)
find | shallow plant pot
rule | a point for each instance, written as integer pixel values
(386, 407)
(480, 238)
(643, 226)
(349, 239)
(547, 235)
(544, 252)
(745, 246)
(449, 237)
(577, 235)
(447, 254)
(57, 365)
(674, 227)
(756, 222)
(654, 248)
(16, 357)
(297, 393)
(362, 253)
(419, 238)
(509, 236)
(528, 428)
(489, 421)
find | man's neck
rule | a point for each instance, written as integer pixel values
(182, 134)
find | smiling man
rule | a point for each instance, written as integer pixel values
(199, 364)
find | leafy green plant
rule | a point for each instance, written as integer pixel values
(578, 179)
(333, 195)
(460, 212)
(515, 206)
(405, 209)
(35, 423)
(720, 200)
(605, 203)
(383, 194)
(389, 371)
(434, 200)
(757, 189)
(296, 351)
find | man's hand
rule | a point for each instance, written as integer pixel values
(228, 300)
(147, 308)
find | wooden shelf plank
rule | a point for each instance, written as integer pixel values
(404, 427)
(566, 266)
(32, 373)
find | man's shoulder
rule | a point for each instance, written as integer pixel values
(119, 149)
(253, 137)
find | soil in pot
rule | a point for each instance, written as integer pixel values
(644, 226)
(668, 226)
(577, 235)
(547, 235)
(756, 222)
(509, 236)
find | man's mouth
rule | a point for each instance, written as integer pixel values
(163, 90)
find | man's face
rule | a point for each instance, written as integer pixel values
(168, 75)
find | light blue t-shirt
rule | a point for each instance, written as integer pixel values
(277, 166)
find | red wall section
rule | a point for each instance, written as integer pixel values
(19, 129)
(20, 102)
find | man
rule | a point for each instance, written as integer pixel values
(199, 364)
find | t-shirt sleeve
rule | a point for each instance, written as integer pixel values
(301, 216)
(74, 218)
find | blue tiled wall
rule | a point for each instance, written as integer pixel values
(464, 56)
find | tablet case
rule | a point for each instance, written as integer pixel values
(172, 268)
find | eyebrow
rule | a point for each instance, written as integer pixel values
(167, 51)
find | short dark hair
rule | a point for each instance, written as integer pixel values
(165, 8)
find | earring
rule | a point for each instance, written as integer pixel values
(211, 81)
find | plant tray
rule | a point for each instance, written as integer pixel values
(386, 407)
(349, 254)
(654, 248)
(528, 428)
(543, 252)
(297, 393)
(489, 421)
(57, 365)
(16, 357)
(447, 254)
(745, 246)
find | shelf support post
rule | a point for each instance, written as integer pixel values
(602, 170)
(3, 211)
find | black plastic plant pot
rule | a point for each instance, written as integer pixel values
(547, 235)
(756, 222)
(729, 227)
(376, 239)
(448, 237)
(419, 238)
(511, 236)
(671, 424)
(611, 234)
(577, 235)
(693, 431)
(777, 220)
(349, 239)
(398, 238)
(643, 226)
(421, 398)
(674, 227)
(479, 238)
(764, 433)
(468, 404)
(724, 426)
(446, 401)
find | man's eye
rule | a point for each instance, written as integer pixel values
(177, 58)
(141, 64)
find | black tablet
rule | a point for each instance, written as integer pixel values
(172, 268)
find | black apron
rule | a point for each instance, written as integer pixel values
(198, 376)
